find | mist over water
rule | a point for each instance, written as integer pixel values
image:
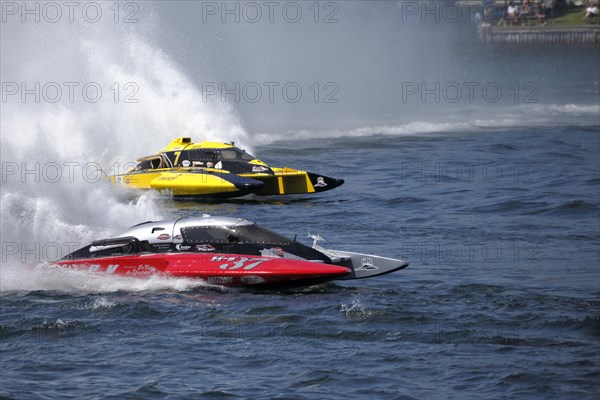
(159, 102)
(391, 66)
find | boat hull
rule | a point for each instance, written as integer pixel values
(218, 170)
(292, 181)
(220, 269)
(191, 182)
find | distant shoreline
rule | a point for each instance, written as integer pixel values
(539, 34)
(563, 26)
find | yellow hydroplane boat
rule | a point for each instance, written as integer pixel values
(221, 170)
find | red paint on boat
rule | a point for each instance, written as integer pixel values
(220, 269)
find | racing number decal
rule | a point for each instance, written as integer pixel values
(239, 262)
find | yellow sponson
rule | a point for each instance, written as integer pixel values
(182, 184)
(285, 181)
(138, 180)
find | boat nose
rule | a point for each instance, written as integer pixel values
(322, 183)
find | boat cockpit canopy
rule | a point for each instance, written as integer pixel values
(242, 234)
(153, 162)
(201, 157)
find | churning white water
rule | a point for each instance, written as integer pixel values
(81, 101)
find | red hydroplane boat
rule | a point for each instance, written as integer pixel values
(223, 251)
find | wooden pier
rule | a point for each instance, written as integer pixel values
(539, 35)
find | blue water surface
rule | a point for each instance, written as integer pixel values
(501, 298)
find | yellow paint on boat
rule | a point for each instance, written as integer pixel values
(186, 184)
(163, 171)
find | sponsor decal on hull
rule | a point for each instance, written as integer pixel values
(252, 280)
(220, 280)
(366, 264)
(237, 262)
(320, 182)
(204, 247)
(142, 269)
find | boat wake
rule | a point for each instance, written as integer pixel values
(45, 277)
(536, 116)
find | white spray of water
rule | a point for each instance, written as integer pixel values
(54, 153)
(48, 277)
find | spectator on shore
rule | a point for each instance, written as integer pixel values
(525, 7)
(525, 12)
(591, 10)
(512, 12)
(490, 12)
(549, 6)
(540, 12)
